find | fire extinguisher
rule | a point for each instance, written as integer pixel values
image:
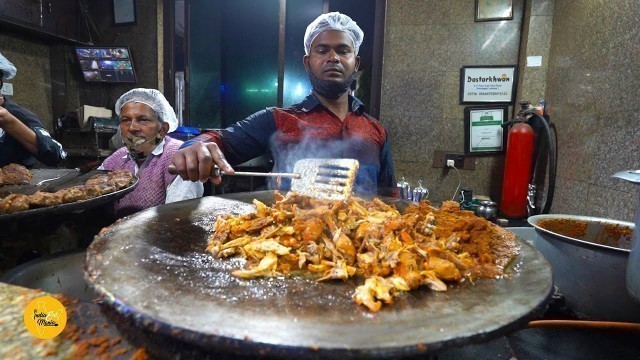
(517, 170)
(529, 137)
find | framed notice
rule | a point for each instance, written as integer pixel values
(488, 84)
(124, 12)
(484, 134)
(493, 10)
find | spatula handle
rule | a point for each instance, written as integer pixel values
(217, 172)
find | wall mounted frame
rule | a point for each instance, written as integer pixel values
(493, 10)
(124, 12)
(488, 84)
(484, 134)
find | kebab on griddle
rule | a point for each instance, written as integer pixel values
(95, 186)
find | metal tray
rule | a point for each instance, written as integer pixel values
(64, 208)
(152, 269)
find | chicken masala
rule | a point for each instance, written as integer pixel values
(392, 252)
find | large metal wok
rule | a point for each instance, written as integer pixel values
(151, 267)
(590, 274)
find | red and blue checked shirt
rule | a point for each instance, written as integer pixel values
(310, 130)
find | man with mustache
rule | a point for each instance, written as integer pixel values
(145, 119)
(329, 123)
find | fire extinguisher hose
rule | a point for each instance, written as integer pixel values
(552, 163)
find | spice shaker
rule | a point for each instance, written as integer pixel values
(405, 189)
(420, 193)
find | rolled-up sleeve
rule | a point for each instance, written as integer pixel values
(50, 152)
(243, 140)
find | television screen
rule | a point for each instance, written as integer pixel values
(111, 64)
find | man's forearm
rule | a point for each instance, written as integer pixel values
(210, 136)
(21, 132)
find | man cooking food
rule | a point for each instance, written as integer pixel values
(23, 138)
(328, 123)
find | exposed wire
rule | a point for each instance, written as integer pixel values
(88, 21)
(459, 182)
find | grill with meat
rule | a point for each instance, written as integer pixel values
(95, 186)
(14, 174)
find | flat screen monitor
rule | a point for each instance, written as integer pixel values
(106, 64)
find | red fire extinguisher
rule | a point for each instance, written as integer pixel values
(517, 170)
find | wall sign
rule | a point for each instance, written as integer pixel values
(493, 10)
(124, 12)
(484, 134)
(487, 84)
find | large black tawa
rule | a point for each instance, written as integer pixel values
(151, 267)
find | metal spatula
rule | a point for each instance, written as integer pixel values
(329, 179)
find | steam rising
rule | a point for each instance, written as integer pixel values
(313, 145)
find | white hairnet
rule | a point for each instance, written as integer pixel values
(7, 68)
(333, 21)
(155, 100)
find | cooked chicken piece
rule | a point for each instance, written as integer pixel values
(259, 249)
(374, 288)
(393, 252)
(345, 246)
(445, 270)
(365, 295)
(119, 173)
(105, 188)
(98, 179)
(266, 267)
(121, 182)
(14, 203)
(120, 178)
(4, 205)
(430, 279)
(258, 224)
(71, 194)
(311, 229)
(340, 270)
(44, 199)
(1, 177)
(262, 210)
(90, 191)
(14, 174)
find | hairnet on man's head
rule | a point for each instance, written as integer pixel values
(7, 70)
(155, 100)
(333, 21)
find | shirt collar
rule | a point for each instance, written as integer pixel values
(311, 101)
